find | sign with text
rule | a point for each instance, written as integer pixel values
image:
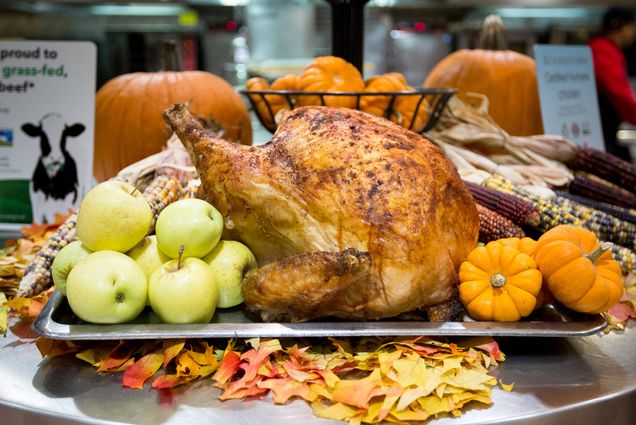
(567, 91)
(47, 104)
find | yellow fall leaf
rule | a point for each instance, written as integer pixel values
(506, 387)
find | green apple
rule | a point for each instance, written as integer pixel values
(193, 223)
(184, 291)
(64, 262)
(107, 287)
(113, 216)
(230, 261)
(148, 255)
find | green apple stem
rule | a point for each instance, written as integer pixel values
(180, 256)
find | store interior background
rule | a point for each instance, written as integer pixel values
(237, 39)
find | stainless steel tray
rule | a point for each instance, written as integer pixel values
(57, 321)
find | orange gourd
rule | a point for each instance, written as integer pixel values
(506, 77)
(498, 282)
(330, 73)
(377, 105)
(129, 124)
(579, 271)
(257, 83)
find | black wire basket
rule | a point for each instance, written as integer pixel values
(427, 103)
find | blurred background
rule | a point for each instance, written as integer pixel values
(240, 38)
(237, 39)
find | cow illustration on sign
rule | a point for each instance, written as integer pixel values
(54, 183)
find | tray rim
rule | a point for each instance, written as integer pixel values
(45, 326)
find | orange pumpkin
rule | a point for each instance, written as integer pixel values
(377, 105)
(506, 77)
(498, 282)
(330, 73)
(404, 109)
(257, 83)
(579, 271)
(276, 102)
(128, 114)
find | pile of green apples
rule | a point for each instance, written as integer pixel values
(184, 271)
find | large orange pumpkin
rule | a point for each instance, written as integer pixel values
(579, 271)
(128, 114)
(507, 78)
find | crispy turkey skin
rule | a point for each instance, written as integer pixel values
(348, 214)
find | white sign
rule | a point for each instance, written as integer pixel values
(567, 90)
(47, 104)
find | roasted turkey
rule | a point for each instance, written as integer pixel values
(348, 215)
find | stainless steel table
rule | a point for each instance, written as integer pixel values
(580, 381)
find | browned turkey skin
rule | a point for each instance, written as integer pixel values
(348, 214)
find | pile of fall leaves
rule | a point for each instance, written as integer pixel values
(365, 380)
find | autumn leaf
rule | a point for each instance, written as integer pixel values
(337, 411)
(94, 356)
(506, 387)
(27, 308)
(171, 349)
(118, 359)
(229, 365)
(286, 388)
(136, 375)
(54, 348)
(358, 392)
(4, 314)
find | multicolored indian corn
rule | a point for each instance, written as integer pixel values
(606, 166)
(494, 226)
(511, 207)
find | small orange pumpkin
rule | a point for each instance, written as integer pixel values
(330, 73)
(377, 105)
(404, 109)
(498, 282)
(578, 270)
(258, 83)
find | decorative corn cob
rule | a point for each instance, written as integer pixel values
(606, 166)
(511, 207)
(551, 214)
(37, 275)
(191, 189)
(625, 257)
(605, 226)
(161, 192)
(494, 226)
(597, 190)
(624, 214)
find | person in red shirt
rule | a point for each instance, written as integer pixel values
(617, 102)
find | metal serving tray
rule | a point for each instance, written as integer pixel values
(57, 321)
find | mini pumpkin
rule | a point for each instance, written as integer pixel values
(378, 105)
(578, 270)
(272, 114)
(258, 83)
(330, 73)
(498, 282)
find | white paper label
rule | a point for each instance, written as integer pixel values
(567, 91)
